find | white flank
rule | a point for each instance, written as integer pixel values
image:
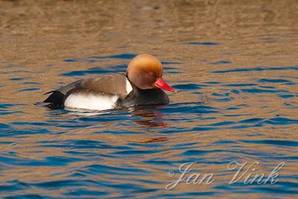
(128, 87)
(90, 101)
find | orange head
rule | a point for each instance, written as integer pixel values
(145, 72)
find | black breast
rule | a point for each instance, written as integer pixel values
(140, 97)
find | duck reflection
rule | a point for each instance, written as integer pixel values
(148, 116)
(148, 119)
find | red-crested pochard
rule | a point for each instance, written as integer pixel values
(141, 85)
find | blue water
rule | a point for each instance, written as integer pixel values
(137, 152)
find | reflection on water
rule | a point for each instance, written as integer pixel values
(233, 63)
(149, 116)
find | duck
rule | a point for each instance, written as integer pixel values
(142, 84)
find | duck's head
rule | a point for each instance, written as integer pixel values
(145, 72)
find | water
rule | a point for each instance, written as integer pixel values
(235, 68)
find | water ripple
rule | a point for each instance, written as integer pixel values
(256, 69)
(136, 152)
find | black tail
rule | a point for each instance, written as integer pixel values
(55, 100)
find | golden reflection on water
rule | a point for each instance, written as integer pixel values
(36, 37)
